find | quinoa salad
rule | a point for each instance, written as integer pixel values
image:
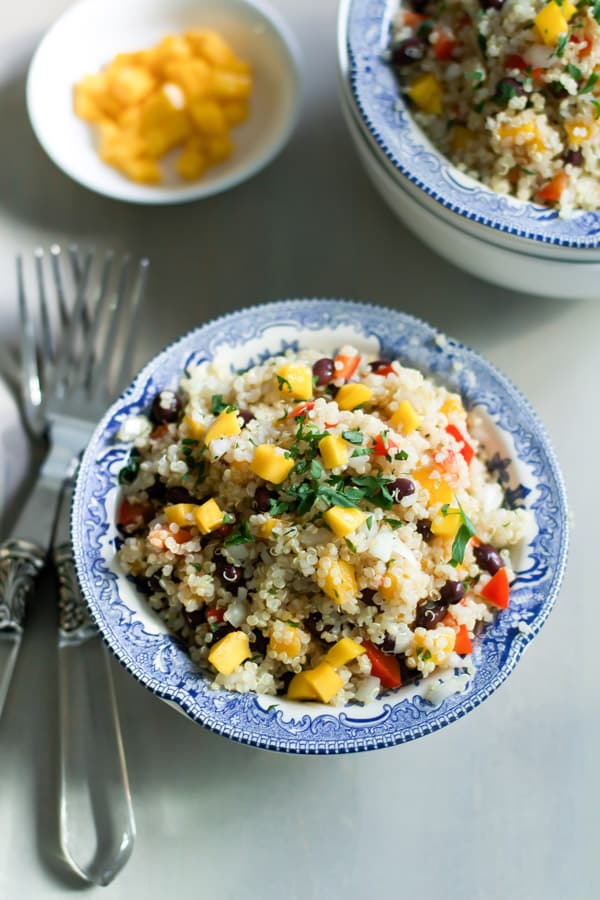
(509, 91)
(315, 527)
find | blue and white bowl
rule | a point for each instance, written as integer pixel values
(379, 119)
(521, 459)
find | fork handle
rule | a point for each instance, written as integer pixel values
(20, 564)
(96, 823)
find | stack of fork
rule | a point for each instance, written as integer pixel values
(66, 385)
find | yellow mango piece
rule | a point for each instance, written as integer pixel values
(235, 111)
(192, 162)
(214, 49)
(325, 681)
(300, 688)
(452, 405)
(390, 587)
(157, 109)
(269, 462)
(350, 396)
(426, 93)
(129, 84)
(208, 516)
(85, 103)
(295, 380)
(343, 652)
(226, 424)
(218, 148)
(438, 489)
(405, 419)
(344, 520)
(286, 640)
(181, 514)
(193, 76)
(446, 525)
(159, 140)
(230, 85)
(551, 23)
(208, 117)
(140, 169)
(334, 451)
(340, 582)
(266, 529)
(526, 134)
(579, 132)
(194, 427)
(439, 642)
(172, 48)
(230, 652)
(461, 138)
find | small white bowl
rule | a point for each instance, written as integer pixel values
(90, 33)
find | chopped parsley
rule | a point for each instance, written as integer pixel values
(354, 436)
(240, 535)
(464, 533)
(128, 473)
(283, 383)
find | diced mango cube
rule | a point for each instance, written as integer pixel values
(230, 652)
(300, 688)
(527, 135)
(325, 681)
(550, 23)
(181, 514)
(208, 117)
(129, 83)
(429, 478)
(405, 418)
(439, 642)
(334, 451)
(218, 147)
(285, 639)
(193, 426)
(192, 161)
(193, 76)
(235, 111)
(212, 47)
(461, 138)
(339, 582)
(226, 424)
(391, 585)
(231, 85)
(159, 140)
(344, 520)
(295, 380)
(343, 652)
(266, 529)
(209, 516)
(579, 131)
(271, 463)
(426, 93)
(452, 405)
(351, 396)
(446, 525)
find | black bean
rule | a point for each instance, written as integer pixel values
(574, 158)
(166, 407)
(157, 490)
(230, 575)
(323, 370)
(196, 617)
(407, 674)
(260, 642)
(367, 595)
(424, 528)
(245, 415)
(223, 531)
(452, 592)
(558, 90)
(221, 631)
(419, 6)
(401, 487)
(262, 499)
(388, 644)
(286, 678)
(429, 613)
(378, 364)
(491, 4)
(311, 623)
(178, 495)
(488, 558)
(409, 51)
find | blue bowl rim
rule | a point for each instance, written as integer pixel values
(464, 702)
(435, 176)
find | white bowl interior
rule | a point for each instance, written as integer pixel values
(90, 33)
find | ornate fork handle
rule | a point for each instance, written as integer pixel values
(73, 618)
(20, 564)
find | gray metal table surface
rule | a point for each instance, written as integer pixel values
(502, 804)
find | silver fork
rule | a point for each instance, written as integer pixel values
(64, 392)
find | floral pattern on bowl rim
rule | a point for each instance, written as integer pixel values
(380, 105)
(518, 450)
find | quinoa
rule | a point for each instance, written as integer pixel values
(508, 91)
(361, 550)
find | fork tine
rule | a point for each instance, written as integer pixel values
(99, 381)
(67, 362)
(58, 283)
(139, 289)
(31, 390)
(76, 270)
(98, 305)
(46, 333)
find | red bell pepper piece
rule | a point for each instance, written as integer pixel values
(382, 446)
(383, 666)
(552, 191)
(443, 46)
(497, 590)
(463, 644)
(132, 513)
(214, 616)
(384, 370)
(301, 410)
(466, 449)
(345, 366)
(514, 61)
